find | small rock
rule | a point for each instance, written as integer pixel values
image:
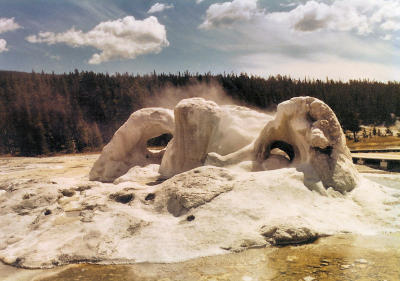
(345, 266)
(361, 261)
(291, 258)
(288, 234)
(68, 192)
(308, 278)
(26, 196)
(324, 263)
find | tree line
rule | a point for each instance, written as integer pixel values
(42, 113)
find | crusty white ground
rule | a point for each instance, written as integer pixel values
(50, 213)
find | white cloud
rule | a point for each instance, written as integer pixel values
(3, 45)
(199, 1)
(8, 24)
(391, 25)
(305, 41)
(159, 7)
(361, 16)
(228, 13)
(124, 38)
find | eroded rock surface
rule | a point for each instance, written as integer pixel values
(52, 215)
(128, 147)
(192, 189)
(202, 127)
(307, 130)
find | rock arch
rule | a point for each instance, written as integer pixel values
(128, 147)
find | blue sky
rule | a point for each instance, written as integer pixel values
(339, 39)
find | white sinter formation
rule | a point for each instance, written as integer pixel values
(202, 127)
(310, 134)
(230, 179)
(128, 147)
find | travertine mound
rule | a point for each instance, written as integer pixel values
(307, 130)
(128, 147)
(311, 128)
(202, 127)
(172, 206)
(196, 120)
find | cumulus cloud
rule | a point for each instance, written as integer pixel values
(228, 13)
(3, 45)
(124, 38)
(361, 16)
(6, 25)
(159, 7)
(319, 39)
(364, 17)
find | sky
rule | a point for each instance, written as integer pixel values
(335, 39)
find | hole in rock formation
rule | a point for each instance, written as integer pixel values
(190, 218)
(327, 150)
(156, 182)
(68, 192)
(26, 196)
(18, 261)
(140, 141)
(123, 198)
(47, 212)
(283, 149)
(150, 196)
(158, 143)
(83, 188)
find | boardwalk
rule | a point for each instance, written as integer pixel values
(384, 159)
(377, 156)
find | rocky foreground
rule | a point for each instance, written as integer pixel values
(51, 214)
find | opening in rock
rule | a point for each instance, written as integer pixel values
(159, 143)
(150, 196)
(190, 218)
(123, 198)
(327, 150)
(283, 149)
